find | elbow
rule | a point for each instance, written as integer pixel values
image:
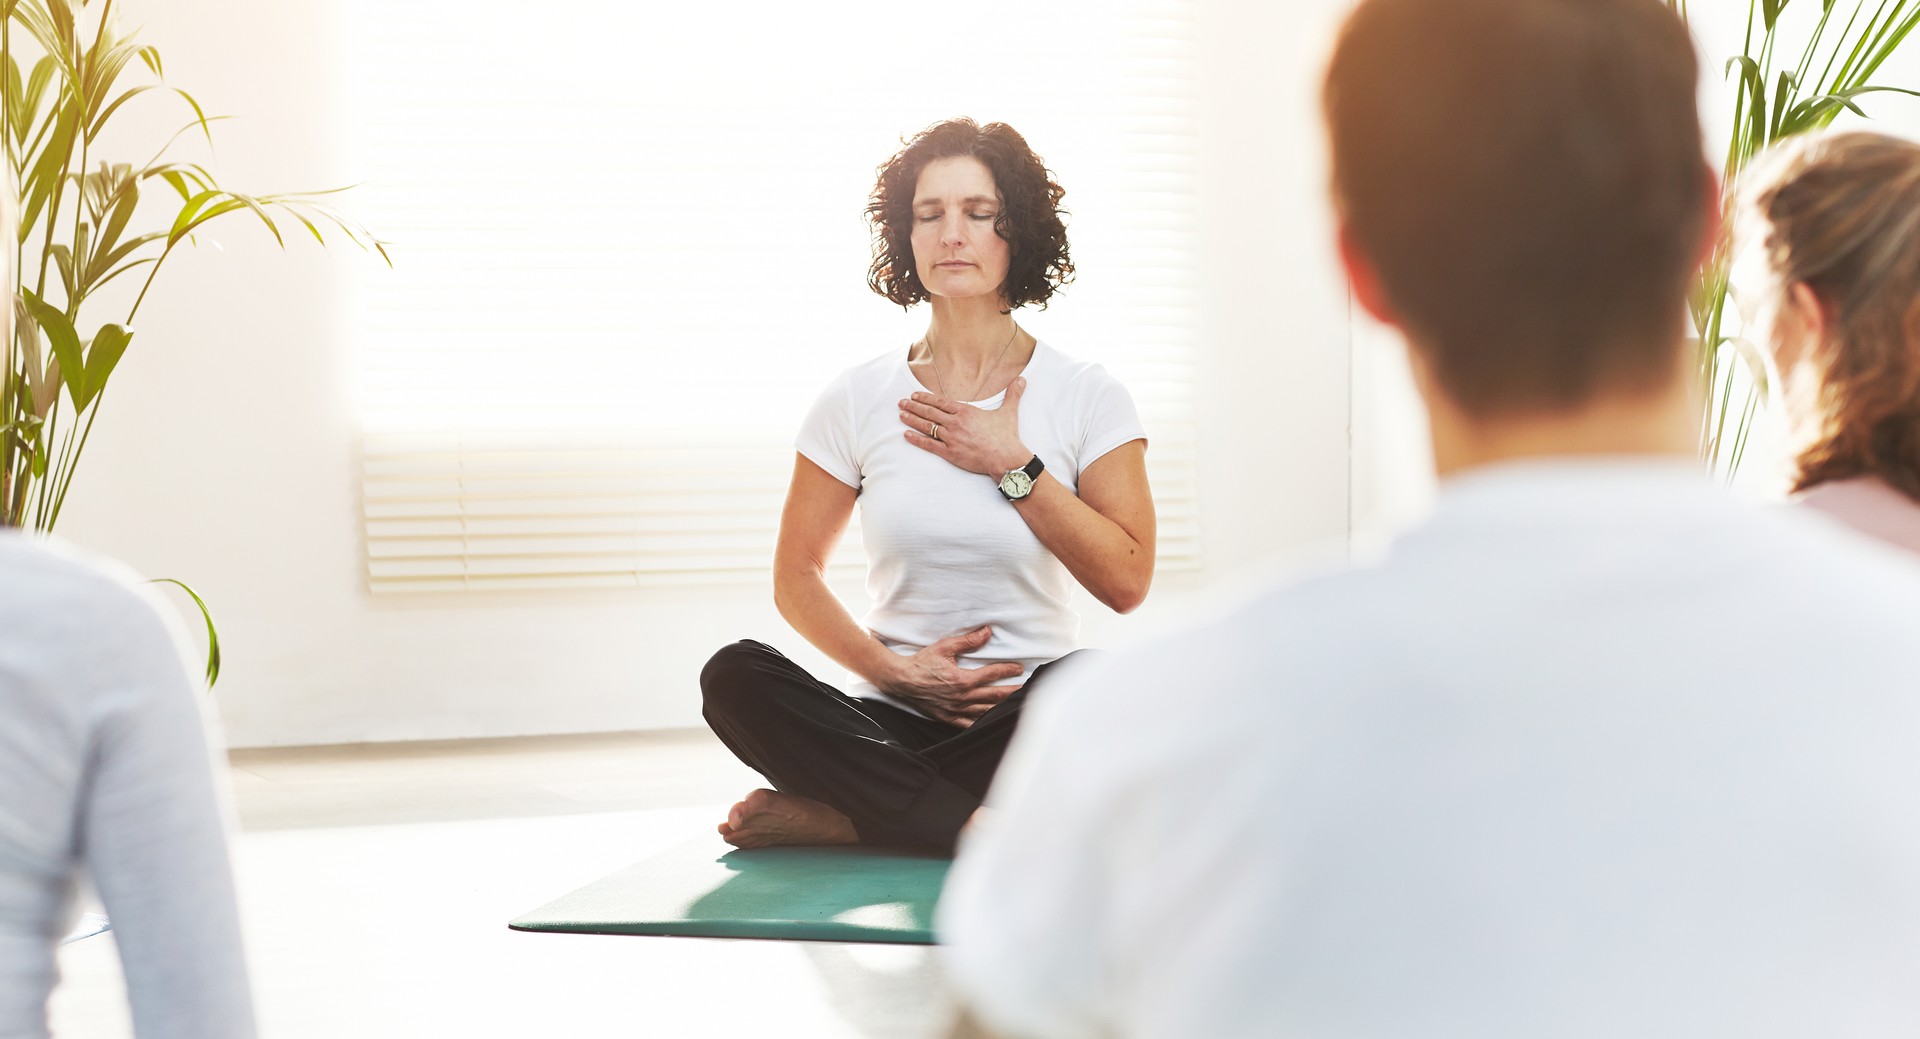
(1126, 596)
(798, 578)
(786, 582)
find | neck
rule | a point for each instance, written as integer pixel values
(970, 334)
(1659, 424)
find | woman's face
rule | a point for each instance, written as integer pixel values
(956, 251)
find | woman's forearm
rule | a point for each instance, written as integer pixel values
(801, 593)
(1099, 553)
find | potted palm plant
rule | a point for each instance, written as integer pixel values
(93, 233)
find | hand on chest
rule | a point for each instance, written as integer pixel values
(888, 460)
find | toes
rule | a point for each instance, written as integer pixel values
(754, 803)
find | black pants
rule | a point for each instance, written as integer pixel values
(901, 778)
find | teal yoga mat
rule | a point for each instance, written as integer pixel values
(704, 889)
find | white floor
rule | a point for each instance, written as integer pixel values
(376, 883)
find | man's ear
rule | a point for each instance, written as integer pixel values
(1365, 281)
(1372, 297)
(1711, 221)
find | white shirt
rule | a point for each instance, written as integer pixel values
(946, 552)
(1596, 752)
(105, 769)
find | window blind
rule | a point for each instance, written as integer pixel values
(629, 252)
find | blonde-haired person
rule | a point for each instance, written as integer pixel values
(1829, 229)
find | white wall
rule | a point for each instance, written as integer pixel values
(1276, 404)
(226, 455)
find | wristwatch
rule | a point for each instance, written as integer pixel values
(1018, 483)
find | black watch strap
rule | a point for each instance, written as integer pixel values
(1013, 487)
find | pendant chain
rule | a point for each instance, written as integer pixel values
(940, 383)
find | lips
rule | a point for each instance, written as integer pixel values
(954, 263)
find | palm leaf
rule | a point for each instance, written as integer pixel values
(213, 634)
(124, 268)
(66, 346)
(49, 170)
(63, 261)
(104, 351)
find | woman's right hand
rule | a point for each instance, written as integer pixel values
(934, 681)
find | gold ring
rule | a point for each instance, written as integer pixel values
(935, 431)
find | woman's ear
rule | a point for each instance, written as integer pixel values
(1809, 303)
(1803, 325)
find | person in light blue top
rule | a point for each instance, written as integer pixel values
(106, 774)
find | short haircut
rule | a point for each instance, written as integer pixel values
(1526, 177)
(1030, 217)
(1840, 213)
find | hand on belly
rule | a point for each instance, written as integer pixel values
(934, 681)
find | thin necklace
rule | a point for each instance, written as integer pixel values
(940, 383)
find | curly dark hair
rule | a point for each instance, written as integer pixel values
(1029, 220)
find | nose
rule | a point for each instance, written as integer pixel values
(952, 228)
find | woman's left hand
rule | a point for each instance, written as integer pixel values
(977, 440)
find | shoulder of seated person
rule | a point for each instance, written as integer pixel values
(68, 587)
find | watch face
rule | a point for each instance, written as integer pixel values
(1016, 484)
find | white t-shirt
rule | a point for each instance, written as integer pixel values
(1596, 752)
(946, 552)
(105, 769)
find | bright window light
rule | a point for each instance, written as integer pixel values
(639, 225)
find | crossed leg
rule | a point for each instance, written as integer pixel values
(845, 770)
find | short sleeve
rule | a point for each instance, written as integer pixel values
(1111, 418)
(826, 436)
(1024, 910)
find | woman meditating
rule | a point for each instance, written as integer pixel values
(1833, 221)
(992, 473)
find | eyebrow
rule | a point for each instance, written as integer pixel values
(970, 200)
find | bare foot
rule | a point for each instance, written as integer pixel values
(766, 818)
